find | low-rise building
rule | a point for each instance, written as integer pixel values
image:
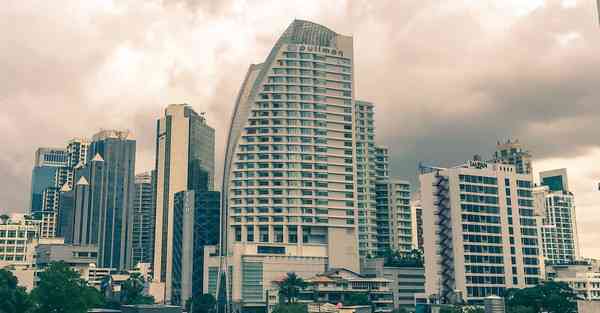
(18, 237)
(582, 276)
(338, 286)
(406, 283)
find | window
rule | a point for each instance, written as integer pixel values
(250, 233)
(263, 232)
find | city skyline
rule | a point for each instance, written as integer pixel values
(420, 136)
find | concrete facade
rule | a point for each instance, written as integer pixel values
(184, 152)
(481, 232)
(290, 186)
(407, 283)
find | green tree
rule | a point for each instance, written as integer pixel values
(291, 308)
(13, 298)
(394, 258)
(61, 290)
(204, 303)
(473, 309)
(521, 309)
(356, 299)
(550, 297)
(132, 291)
(290, 287)
(450, 309)
(4, 218)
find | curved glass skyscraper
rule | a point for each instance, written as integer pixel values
(289, 187)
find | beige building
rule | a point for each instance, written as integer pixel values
(18, 238)
(481, 233)
(289, 192)
(184, 147)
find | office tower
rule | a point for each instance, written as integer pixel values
(289, 179)
(417, 225)
(143, 218)
(46, 164)
(185, 146)
(44, 187)
(481, 235)
(512, 152)
(102, 199)
(365, 180)
(77, 149)
(196, 222)
(557, 208)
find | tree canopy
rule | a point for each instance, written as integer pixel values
(132, 291)
(290, 287)
(204, 303)
(356, 299)
(550, 297)
(13, 298)
(61, 290)
(291, 308)
(394, 258)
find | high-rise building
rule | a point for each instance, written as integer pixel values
(289, 188)
(53, 171)
(185, 156)
(365, 180)
(142, 241)
(45, 188)
(512, 152)
(394, 217)
(196, 222)
(101, 207)
(417, 222)
(77, 154)
(559, 226)
(481, 235)
(400, 214)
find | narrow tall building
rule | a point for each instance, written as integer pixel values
(184, 153)
(144, 204)
(45, 188)
(195, 226)
(384, 211)
(480, 231)
(366, 177)
(289, 188)
(393, 214)
(512, 152)
(417, 225)
(559, 225)
(98, 210)
(52, 174)
(400, 214)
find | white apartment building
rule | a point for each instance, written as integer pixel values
(18, 238)
(582, 276)
(481, 235)
(556, 205)
(289, 192)
(366, 177)
(401, 214)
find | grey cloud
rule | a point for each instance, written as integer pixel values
(445, 87)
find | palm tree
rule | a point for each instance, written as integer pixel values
(290, 287)
(133, 289)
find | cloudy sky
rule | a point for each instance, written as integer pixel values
(449, 78)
